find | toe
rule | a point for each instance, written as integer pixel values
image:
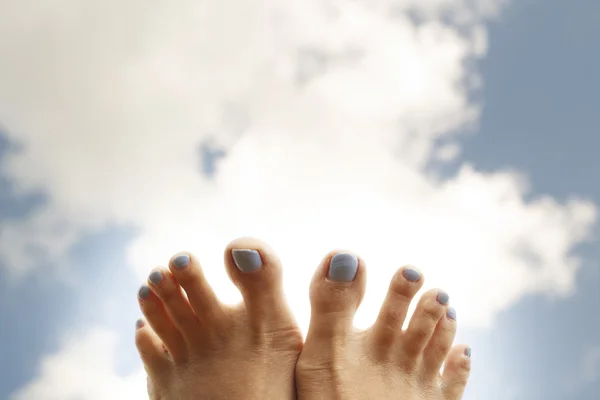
(156, 315)
(439, 345)
(165, 286)
(431, 308)
(151, 350)
(404, 285)
(336, 291)
(188, 273)
(456, 372)
(256, 270)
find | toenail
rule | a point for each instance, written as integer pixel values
(468, 352)
(443, 298)
(156, 277)
(246, 260)
(144, 292)
(181, 261)
(139, 323)
(411, 275)
(451, 314)
(343, 267)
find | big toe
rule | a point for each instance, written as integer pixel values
(256, 270)
(336, 291)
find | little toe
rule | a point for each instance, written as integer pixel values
(456, 372)
(203, 300)
(439, 345)
(165, 286)
(431, 308)
(256, 270)
(404, 285)
(336, 290)
(151, 350)
(156, 315)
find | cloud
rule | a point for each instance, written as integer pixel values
(83, 369)
(328, 114)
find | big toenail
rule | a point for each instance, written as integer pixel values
(144, 292)
(246, 260)
(468, 352)
(443, 298)
(411, 274)
(181, 261)
(343, 267)
(451, 314)
(139, 323)
(155, 277)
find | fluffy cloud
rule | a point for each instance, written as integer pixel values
(328, 113)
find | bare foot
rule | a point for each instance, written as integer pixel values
(384, 362)
(194, 347)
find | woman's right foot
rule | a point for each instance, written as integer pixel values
(194, 347)
(384, 362)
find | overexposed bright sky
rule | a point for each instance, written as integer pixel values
(399, 129)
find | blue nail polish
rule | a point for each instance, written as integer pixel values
(155, 277)
(468, 352)
(343, 267)
(144, 292)
(411, 275)
(247, 260)
(139, 323)
(443, 298)
(181, 261)
(451, 314)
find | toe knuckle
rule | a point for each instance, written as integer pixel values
(432, 310)
(400, 289)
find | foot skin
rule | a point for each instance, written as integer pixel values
(384, 362)
(194, 347)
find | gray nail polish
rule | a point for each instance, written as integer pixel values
(343, 267)
(139, 323)
(144, 292)
(155, 277)
(181, 261)
(411, 275)
(443, 298)
(246, 260)
(451, 314)
(468, 352)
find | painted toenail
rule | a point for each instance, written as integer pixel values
(246, 260)
(451, 314)
(468, 352)
(343, 267)
(155, 277)
(144, 292)
(443, 298)
(411, 275)
(139, 323)
(181, 261)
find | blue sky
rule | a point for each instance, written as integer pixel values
(539, 117)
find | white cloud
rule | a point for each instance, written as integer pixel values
(111, 101)
(83, 369)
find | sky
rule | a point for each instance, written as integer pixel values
(462, 132)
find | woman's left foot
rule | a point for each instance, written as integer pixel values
(383, 362)
(194, 347)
